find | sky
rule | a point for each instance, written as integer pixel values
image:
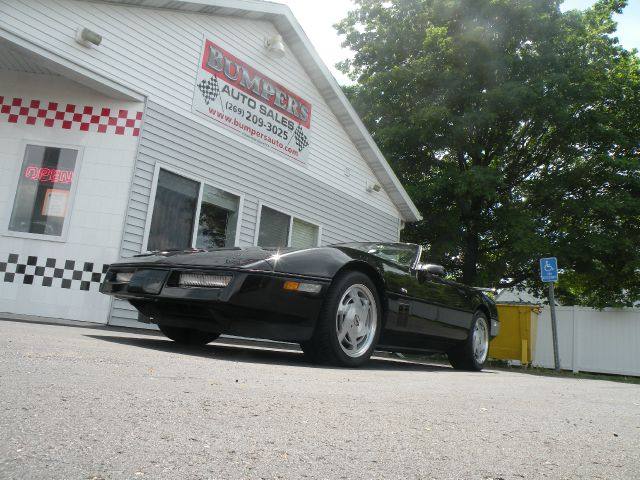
(317, 19)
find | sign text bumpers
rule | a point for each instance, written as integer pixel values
(227, 67)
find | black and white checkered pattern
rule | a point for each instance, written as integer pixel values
(209, 89)
(301, 139)
(51, 272)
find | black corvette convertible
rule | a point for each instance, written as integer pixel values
(338, 302)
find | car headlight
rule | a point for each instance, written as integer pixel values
(203, 280)
(123, 277)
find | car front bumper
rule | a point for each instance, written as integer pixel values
(254, 303)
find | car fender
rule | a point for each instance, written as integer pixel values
(323, 262)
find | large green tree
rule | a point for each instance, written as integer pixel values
(516, 129)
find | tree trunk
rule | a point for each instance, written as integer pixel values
(470, 255)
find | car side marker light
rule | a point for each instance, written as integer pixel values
(302, 287)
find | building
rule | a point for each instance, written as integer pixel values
(135, 125)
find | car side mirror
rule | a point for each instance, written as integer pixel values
(432, 269)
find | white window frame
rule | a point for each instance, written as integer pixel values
(13, 189)
(201, 181)
(291, 218)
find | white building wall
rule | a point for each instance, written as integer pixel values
(97, 213)
(156, 52)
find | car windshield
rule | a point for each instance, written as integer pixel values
(403, 253)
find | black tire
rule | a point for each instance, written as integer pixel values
(472, 353)
(357, 295)
(188, 336)
(310, 352)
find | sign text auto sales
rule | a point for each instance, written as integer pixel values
(238, 96)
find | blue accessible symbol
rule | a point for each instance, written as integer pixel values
(549, 269)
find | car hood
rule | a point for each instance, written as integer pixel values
(318, 262)
(239, 257)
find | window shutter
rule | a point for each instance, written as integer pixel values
(304, 235)
(274, 228)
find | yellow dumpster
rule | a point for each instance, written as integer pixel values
(517, 337)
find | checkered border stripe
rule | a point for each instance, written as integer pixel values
(51, 272)
(70, 116)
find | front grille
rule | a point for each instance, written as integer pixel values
(203, 280)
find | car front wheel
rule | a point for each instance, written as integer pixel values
(188, 336)
(472, 353)
(348, 327)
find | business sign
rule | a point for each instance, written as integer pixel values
(231, 93)
(48, 175)
(549, 269)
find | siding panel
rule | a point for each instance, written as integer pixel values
(199, 151)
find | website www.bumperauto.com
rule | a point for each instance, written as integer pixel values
(252, 132)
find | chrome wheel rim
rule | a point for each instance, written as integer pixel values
(356, 320)
(480, 340)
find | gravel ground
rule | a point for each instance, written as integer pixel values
(86, 403)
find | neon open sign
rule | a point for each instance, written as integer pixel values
(49, 175)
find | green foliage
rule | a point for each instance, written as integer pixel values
(515, 129)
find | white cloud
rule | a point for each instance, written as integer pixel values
(317, 20)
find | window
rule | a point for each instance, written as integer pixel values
(218, 218)
(42, 200)
(303, 234)
(278, 229)
(173, 212)
(179, 201)
(274, 228)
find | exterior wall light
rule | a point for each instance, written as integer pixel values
(275, 45)
(373, 187)
(87, 37)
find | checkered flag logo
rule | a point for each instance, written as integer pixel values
(301, 138)
(209, 89)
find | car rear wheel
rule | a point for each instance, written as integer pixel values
(472, 353)
(348, 327)
(188, 336)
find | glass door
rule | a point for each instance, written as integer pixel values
(218, 218)
(173, 212)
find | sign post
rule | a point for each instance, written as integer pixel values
(549, 274)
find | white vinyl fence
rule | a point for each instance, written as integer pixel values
(603, 341)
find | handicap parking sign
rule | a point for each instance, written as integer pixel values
(549, 269)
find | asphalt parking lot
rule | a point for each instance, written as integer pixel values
(85, 403)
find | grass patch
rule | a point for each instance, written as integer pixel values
(439, 358)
